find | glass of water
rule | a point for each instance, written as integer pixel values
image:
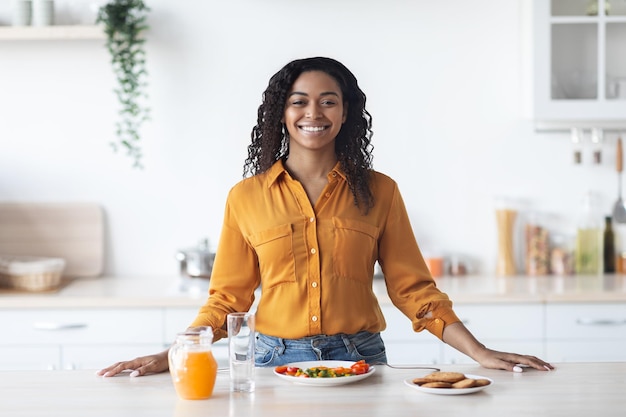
(241, 338)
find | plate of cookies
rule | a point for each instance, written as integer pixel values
(449, 383)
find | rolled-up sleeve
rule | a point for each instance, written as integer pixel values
(410, 285)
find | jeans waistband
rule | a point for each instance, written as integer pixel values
(318, 341)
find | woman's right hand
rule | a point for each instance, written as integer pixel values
(144, 365)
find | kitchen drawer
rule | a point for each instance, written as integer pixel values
(178, 319)
(399, 353)
(586, 321)
(523, 347)
(399, 328)
(503, 321)
(586, 351)
(81, 326)
(26, 358)
(103, 355)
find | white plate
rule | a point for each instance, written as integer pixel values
(324, 381)
(450, 391)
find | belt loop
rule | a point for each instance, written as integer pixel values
(280, 345)
(347, 341)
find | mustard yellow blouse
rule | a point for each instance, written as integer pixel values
(315, 264)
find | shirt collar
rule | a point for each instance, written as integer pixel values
(278, 170)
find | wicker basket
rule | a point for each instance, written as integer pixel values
(30, 273)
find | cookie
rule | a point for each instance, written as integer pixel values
(450, 377)
(464, 383)
(436, 384)
(420, 381)
(481, 382)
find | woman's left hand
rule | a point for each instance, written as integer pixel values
(510, 361)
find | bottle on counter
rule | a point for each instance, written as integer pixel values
(619, 231)
(589, 252)
(609, 246)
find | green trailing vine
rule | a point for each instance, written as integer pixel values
(124, 21)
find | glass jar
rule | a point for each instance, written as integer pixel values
(192, 365)
(537, 246)
(506, 216)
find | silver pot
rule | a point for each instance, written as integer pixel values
(196, 262)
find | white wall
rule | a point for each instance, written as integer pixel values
(447, 85)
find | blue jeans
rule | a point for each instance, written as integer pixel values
(274, 351)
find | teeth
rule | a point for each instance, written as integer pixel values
(312, 128)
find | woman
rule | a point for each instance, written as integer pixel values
(308, 223)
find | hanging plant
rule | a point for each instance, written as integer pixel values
(124, 21)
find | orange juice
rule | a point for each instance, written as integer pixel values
(192, 365)
(195, 380)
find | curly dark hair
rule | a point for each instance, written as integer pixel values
(270, 141)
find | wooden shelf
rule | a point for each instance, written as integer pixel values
(75, 32)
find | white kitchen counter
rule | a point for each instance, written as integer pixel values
(574, 389)
(163, 291)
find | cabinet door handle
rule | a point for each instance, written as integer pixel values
(600, 322)
(58, 326)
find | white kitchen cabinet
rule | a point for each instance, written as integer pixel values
(586, 332)
(518, 328)
(19, 357)
(403, 345)
(579, 63)
(509, 327)
(102, 355)
(177, 319)
(77, 338)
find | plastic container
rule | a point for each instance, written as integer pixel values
(30, 273)
(192, 365)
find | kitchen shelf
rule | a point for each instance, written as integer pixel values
(73, 32)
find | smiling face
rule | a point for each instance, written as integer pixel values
(314, 112)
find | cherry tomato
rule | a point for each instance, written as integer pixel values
(360, 367)
(292, 370)
(280, 369)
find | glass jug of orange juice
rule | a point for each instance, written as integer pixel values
(192, 365)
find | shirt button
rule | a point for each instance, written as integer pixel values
(334, 174)
(313, 251)
(327, 195)
(312, 219)
(314, 318)
(436, 320)
(314, 284)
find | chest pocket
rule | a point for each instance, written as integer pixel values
(355, 249)
(274, 249)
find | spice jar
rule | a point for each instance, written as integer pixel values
(192, 365)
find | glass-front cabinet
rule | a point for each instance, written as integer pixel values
(580, 63)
